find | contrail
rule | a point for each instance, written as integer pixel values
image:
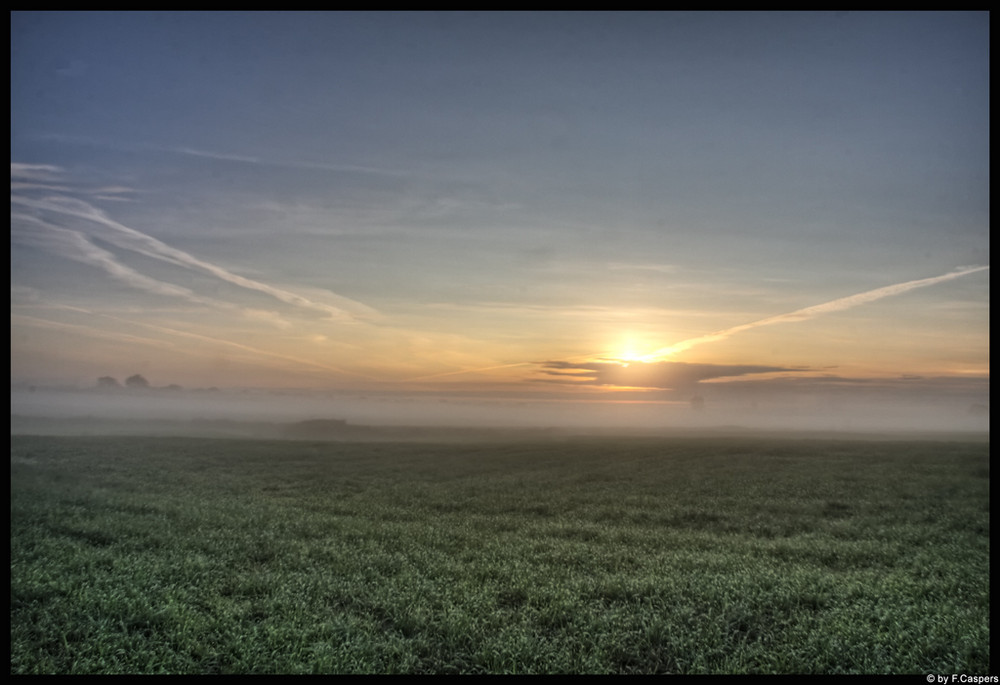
(89, 330)
(814, 311)
(288, 164)
(461, 371)
(131, 239)
(74, 245)
(797, 315)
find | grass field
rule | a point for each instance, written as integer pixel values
(738, 555)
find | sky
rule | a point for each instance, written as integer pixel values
(553, 211)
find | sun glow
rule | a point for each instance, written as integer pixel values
(634, 351)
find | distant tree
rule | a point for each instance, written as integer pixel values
(108, 382)
(136, 381)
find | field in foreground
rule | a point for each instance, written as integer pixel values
(691, 555)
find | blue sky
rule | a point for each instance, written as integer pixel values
(498, 202)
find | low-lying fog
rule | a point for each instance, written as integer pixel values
(831, 412)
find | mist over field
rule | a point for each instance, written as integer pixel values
(953, 408)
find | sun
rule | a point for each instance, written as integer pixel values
(629, 355)
(631, 351)
(636, 349)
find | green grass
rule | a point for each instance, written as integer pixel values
(140, 555)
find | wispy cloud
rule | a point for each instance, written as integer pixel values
(130, 239)
(211, 155)
(35, 172)
(309, 363)
(816, 310)
(92, 332)
(478, 369)
(70, 244)
(219, 155)
(287, 164)
(663, 375)
(51, 178)
(659, 268)
(159, 342)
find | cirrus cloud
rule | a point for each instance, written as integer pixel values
(661, 375)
